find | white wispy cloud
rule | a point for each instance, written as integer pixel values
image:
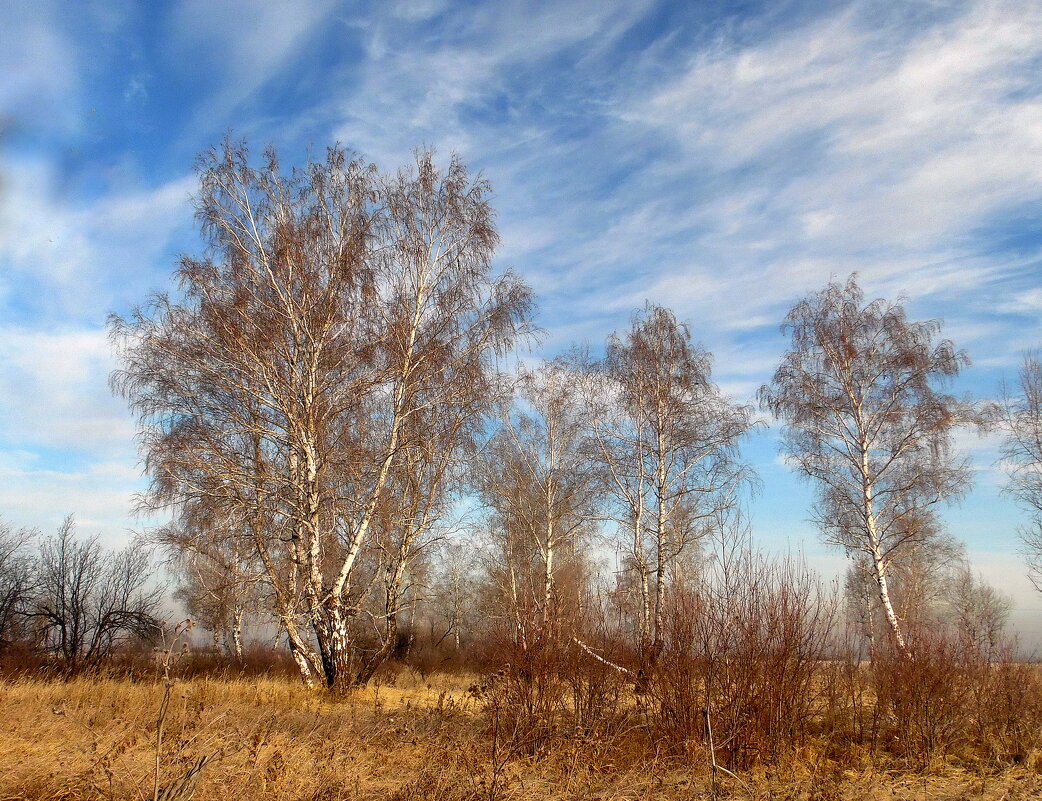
(66, 445)
(54, 391)
(417, 85)
(39, 62)
(63, 258)
(100, 496)
(238, 46)
(871, 146)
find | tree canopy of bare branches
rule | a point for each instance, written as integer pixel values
(314, 383)
(866, 421)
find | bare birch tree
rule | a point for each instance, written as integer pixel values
(919, 584)
(865, 421)
(667, 441)
(331, 353)
(220, 578)
(979, 612)
(451, 598)
(1020, 416)
(535, 473)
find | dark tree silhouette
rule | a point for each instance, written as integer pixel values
(88, 602)
(17, 583)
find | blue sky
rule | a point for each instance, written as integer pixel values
(722, 158)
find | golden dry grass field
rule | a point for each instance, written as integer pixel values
(273, 739)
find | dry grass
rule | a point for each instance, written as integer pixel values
(272, 739)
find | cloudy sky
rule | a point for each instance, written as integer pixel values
(723, 158)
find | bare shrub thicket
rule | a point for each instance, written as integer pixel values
(943, 700)
(740, 672)
(543, 682)
(758, 671)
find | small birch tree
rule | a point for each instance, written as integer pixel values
(220, 578)
(666, 439)
(866, 422)
(535, 473)
(1020, 416)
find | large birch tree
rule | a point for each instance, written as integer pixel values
(314, 381)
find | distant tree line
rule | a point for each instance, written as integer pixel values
(326, 393)
(71, 601)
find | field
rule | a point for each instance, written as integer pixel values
(270, 738)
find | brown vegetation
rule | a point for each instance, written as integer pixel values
(271, 738)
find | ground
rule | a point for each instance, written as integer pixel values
(427, 738)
